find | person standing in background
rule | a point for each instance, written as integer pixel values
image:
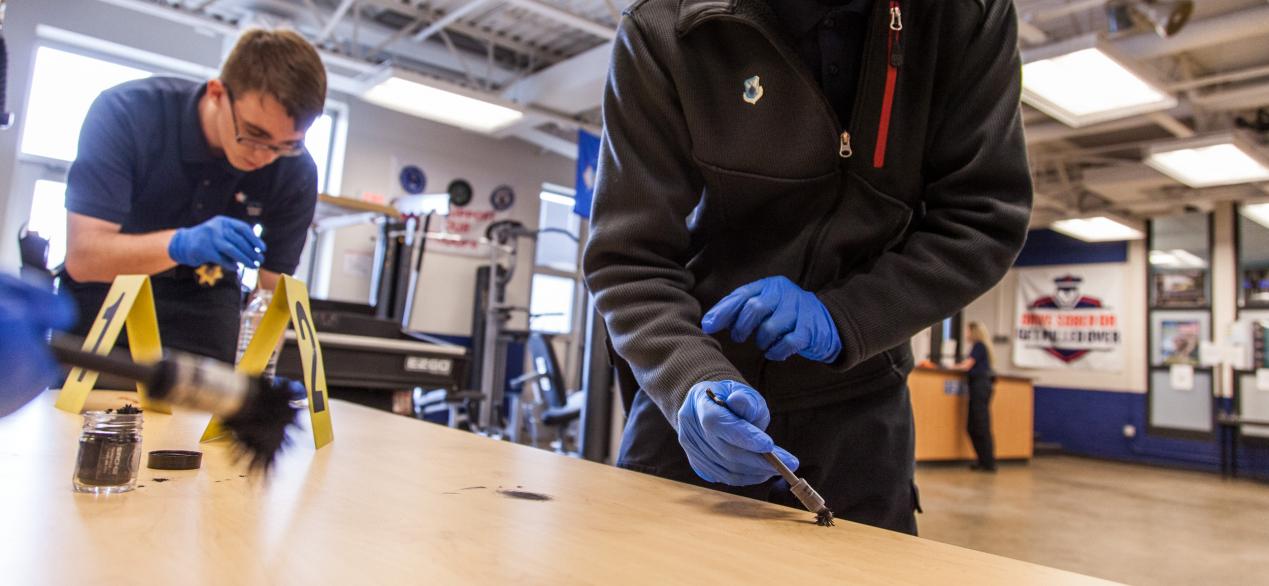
(981, 379)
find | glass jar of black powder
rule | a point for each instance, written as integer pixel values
(109, 451)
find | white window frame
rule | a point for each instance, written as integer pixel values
(574, 275)
(338, 148)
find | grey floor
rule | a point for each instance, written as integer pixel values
(1123, 522)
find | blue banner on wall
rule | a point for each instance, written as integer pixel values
(587, 166)
(1046, 248)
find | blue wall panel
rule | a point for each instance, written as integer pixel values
(1046, 247)
(1090, 423)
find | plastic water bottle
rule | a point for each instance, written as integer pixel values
(251, 316)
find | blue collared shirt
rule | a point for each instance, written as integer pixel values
(144, 163)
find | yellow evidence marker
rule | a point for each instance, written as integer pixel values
(289, 305)
(131, 302)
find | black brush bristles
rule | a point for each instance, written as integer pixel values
(259, 428)
(824, 518)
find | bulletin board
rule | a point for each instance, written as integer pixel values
(1251, 402)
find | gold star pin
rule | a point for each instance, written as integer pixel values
(209, 274)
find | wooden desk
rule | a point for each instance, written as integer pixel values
(358, 205)
(396, 501)
(941, 417)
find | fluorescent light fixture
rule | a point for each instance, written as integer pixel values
(1163, 259)
(1208, 161)
(1176, 259)
(1097, 229)
(1082, 82)
(440, 102)
(1187, 259)
(1256, 212)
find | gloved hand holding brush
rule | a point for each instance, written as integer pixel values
(26, 316)
(728, 446)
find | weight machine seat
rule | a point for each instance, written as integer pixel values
(562, 407)
(567, 413)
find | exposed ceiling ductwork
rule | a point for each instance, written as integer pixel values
(550, 57)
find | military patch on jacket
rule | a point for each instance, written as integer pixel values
(753, 90)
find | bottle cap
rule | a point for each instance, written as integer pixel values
(175, 460)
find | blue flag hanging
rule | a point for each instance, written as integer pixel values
(587, 166)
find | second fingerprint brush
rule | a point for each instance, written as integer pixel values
(800, 487)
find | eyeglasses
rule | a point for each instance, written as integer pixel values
(280, 151)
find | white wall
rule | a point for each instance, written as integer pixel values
(378, 140)
(1224, 284)
(376, 137)
(996, 309)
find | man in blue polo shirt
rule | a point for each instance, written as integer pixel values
(185, 181)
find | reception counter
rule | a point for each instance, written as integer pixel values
(940, 404)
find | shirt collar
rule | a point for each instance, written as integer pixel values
(194, 147)
(799, 17)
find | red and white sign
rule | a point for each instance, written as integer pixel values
(461, 231)
(1070, 318)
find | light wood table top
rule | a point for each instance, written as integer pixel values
(357, 205)
(394, 501)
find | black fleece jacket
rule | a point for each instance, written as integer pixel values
(706, 183)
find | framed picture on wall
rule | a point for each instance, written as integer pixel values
(1259, 339)
(1177, 335)
(1180, 289)
(1179, 341)
(1255, 287)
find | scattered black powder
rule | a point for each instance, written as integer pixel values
(524, 495)
(473, 488)
(160, 480)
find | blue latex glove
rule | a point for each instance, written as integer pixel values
(221, 240)
(727, 446)
(787, 319)
(26, 315)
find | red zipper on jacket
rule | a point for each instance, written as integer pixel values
(894, 60)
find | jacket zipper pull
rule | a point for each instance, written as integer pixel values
(844, 150)
(896, 38)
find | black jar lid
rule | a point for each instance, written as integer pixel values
(175, 460)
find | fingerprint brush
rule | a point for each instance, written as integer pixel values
(800, 487)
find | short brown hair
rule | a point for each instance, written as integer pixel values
(281, 64)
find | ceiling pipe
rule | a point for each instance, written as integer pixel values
(334, 21)
(1240, 24)
(1242, 98)
(449, 18)
(600, 30)
(1053, 131)
(370, 33)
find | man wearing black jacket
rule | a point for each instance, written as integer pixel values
(820, 181)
